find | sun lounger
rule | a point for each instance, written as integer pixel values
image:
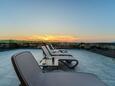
(57, 50)
(27, 69)
(66, 60)
(52, 47)
(54, 53)
(30, 74)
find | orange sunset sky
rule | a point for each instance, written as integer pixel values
(58, 38)
(52, 38)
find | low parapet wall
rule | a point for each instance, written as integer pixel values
(108, 52)
(107, 49)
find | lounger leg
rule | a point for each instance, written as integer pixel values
(69, 62)
(69, 65)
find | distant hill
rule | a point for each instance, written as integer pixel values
(17, 41)
(9, 41)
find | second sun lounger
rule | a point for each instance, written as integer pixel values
(53, 53)
(57, 50)
(66, 60)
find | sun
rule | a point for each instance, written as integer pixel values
(54, 38)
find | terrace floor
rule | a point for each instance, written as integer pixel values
(102, 66)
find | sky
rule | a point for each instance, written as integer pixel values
(58, 20)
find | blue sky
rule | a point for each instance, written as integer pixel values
(90, 20)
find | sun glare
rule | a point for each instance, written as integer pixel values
(54, 38)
